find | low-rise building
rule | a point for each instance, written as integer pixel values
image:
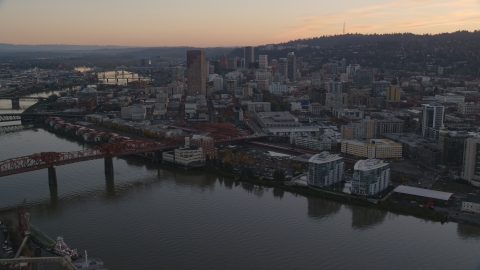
(185, 156)
(134, 112)
(471, 204)
(375, 148)
(370, 177)
(325, 169)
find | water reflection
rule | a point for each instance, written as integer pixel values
(321, 208)
(53, 195)
(365, 217)
(110, 185)
(466, 231)
(278, 193)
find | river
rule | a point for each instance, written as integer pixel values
(149, 217)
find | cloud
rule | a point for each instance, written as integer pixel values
(417, 16)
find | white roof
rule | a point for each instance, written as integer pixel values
(422, 192)
(324, 157)
(369, 164)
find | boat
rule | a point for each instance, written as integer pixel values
(89, 263)
(35, 129)
(63, 249)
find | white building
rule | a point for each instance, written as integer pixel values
(471, 152)
(370, 177)
(352, 69)
(333, 87)
(279, 89)
(325, 169)
(471, 204)
(185, 156)
(449, 97)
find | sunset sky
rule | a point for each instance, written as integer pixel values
(222, 22)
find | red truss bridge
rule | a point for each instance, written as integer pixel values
(52, 159)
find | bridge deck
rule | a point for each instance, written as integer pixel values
(41, 237)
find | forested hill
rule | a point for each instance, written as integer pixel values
(386, 51)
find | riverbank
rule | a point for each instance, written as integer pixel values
(388, 204)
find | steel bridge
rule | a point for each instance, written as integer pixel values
(8, 117)
(23, 98)
(49, 160)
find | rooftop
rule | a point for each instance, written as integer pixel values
(369, 164)
(324, 157)
(473, 198)
(422, 192)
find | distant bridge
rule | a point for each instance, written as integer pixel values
(8, 117)
(23, 98)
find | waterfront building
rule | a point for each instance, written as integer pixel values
(196, 72)
(185, 156)
(471, 157)
(471, 204)
(432, 119)
(206, 143)
(325, 169)
(375, 148)
(370, 177)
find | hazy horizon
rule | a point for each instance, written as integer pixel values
(215, 23)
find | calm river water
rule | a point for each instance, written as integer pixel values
(154, 217)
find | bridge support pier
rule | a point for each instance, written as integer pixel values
(15, 104)
(108, 165)
(52, 176)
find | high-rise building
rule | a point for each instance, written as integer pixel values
(292, 67)
(283, 66)
(432, 119)
(263, 61)
(451, 147)
(363, 77)
(233, 63)
(394, 91)
(333, 87)
(249, 54)
(343, 64)
(471, 161)
(196, 70)
(222, 62)
(370, 177)
(325, 169)
(379, 88)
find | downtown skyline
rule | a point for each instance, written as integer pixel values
(213, 23)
